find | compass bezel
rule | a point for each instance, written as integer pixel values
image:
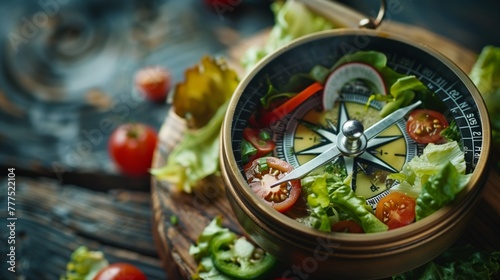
(291, 241)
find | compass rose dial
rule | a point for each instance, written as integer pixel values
(310, 131)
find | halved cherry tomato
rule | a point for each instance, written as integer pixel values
(262, 172)
(396, 210)
(260, 140)
(120, 271)
(424, 126)
(347, 226)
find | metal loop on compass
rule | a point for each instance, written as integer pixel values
(371, 23)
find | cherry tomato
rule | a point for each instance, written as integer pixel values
(424, 126)
(120, 271)
(261, 140)
(262, 172)
(347, 226)
(131, 146)
(396, 210)
(153, 82)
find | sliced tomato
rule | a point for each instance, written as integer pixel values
(424, 126)
(347, 226)
(261, 140)
(396, 210)
(263, 172)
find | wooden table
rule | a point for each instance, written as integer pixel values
(54, 219)
(195, 211)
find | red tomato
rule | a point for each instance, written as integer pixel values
(153, 82)
(396, 210)
(425, 126)
(347, 226)
(264, 146)
(262, 172)
(120, 271)
(131, 146)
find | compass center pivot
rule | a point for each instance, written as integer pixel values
(351, 141)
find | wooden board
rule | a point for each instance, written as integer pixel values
(54, 219)
(195, 211)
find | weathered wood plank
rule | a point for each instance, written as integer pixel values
(53, 220)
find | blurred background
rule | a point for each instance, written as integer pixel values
(471, 24)
(67, 65)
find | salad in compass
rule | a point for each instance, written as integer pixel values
(359, 146)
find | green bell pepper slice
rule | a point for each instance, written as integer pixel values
(238, 258)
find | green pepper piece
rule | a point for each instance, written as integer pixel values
(238, 258)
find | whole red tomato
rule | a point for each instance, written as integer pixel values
(131, 146)
(120, 271)
(153, 82)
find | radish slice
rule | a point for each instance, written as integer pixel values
(347, 73)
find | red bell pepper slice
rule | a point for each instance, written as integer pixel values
(290, 105)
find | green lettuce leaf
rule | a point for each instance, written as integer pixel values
(485, 74)
(196, 156)
(440, 190)
(330, 200)
(319, 203)
(84, 264)
(434, 157)
(458, 262)
(292, 20)
(357, 208)
(201, 249)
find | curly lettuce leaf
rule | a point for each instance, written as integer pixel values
(84, 264)
(319, 202)
(440, 190)
(292, 20)
(357, 208)
(201, 249)
(195, 157)
(458, 262)
(317, 187)
(326, 193)
(434, 157)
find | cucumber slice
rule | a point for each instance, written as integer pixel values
(347, 73)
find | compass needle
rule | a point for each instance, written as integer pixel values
(389, 120)
(325, 157)
(351, 142)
